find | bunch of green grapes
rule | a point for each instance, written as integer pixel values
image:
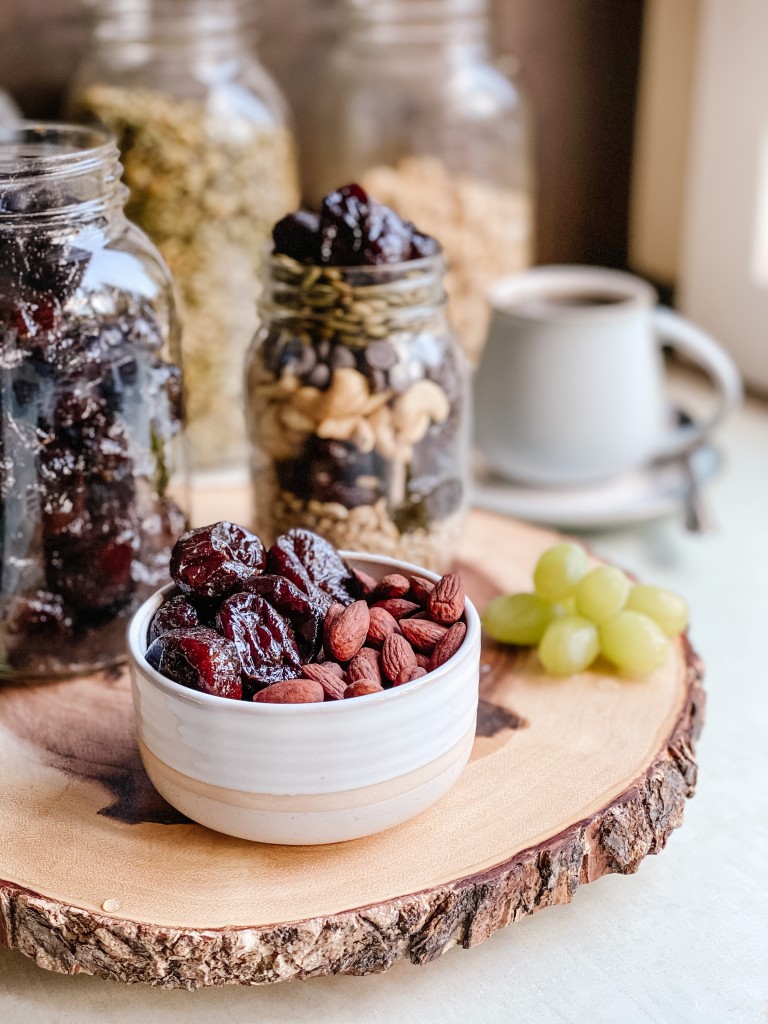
(576, 613)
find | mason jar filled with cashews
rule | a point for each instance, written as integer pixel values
(357, 407)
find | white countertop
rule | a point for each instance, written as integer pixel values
(686, 939)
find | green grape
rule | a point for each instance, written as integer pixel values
(559, 570)
(602, 593)
(634, 643)
(569, 645)
(565, 607)
(517, 619)
(667, 609)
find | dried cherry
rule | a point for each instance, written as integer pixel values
(294, 605)
(40, 614)
(357, 231)
(215, 560)
(298, 236)
(198, 658)
(175, 613)
(262, 637)
(315, 566)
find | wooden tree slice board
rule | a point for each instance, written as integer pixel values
(569, 779)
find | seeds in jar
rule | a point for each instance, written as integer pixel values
(242, 647)
(207, 191)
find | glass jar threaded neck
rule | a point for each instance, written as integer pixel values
(57, 174)
(172, 23)
(354, 305)
(414, 24)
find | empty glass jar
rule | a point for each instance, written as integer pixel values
(414, 108)
(358, 410)
(210, 163)
(90, 405)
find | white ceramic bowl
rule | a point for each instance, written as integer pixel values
(307, 773)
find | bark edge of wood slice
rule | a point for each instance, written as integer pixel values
(418, 927)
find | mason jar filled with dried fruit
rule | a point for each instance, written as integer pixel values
(357, 398)
(209, 160)
(90, 405)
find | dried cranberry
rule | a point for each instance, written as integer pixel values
(175, 613)
(263, 638)
(215, 560)
(298, 236)
(292, 603)
(313, 565)
(200, 659)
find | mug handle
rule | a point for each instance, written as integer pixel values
(703, 350)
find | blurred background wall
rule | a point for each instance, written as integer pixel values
(580, 61)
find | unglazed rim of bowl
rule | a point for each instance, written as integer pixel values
(137, 636)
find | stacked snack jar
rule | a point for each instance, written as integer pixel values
(210, 163)
(414, 107)
(90, 405)
(357, 395)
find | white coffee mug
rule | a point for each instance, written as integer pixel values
(571, 384)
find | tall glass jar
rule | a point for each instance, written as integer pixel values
(210, 163)
(413, 107)
(90, 405)
(357, 409)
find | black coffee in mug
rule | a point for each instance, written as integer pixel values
(558, 302)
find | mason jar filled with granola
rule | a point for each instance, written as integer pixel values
(357, 399)
(416, 106)
(209, 160)
(91, 463)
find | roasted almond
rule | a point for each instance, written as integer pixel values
(364, 665)
(396, 655)
(393, 585)
(422, 634)
(398, 607)
(329, 675)
(421, 589)
(422, 660)
(347, 633)
(366, 581)
(409, 674)
(446, 602)
(291, 691)
(330, 617)
(382, 624)
(447, 647)
(362, 687)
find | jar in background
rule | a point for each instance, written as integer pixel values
(414, 109)
(9, 112)
(90, 405)
(357, 408)
(210, 163)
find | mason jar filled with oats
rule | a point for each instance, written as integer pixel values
(357, 397)
(415, 106)
(210, 164)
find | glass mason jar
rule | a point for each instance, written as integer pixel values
(210, 164)
(413, 108)
(357, 409)
(90, 405)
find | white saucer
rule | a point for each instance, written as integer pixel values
(647, 493)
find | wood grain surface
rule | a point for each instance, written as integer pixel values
(569, 780)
